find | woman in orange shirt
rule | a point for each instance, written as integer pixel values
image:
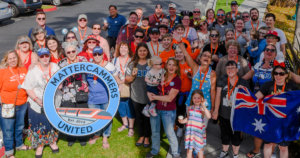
(12, 76)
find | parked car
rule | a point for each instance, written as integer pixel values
(57, 2)
(5, 11)
(23, 6)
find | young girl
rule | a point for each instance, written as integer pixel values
(153, 78)
(254, 40)
(195, 135)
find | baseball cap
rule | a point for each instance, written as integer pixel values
(43, 51)
(91, 37)
(234, 3)
(172, 5)
(273, 33)
(98, 50)
(153, 30)
(82, 16)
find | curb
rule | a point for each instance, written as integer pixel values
(48, 9)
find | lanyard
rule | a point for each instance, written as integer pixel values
(70, 61)
(187, 32)
(127, 31)
(49, 72)
(210, 21)
(202, 81)
(275, 88)
(236, 37)
(18, 78)
(229, 91)
(253, 25)
(172, 22)
(40, 44)
(79, 30)
(211, 49)
(236, 12)
(155, 53)
(166, 84)
(121, 67)
(95, 77)
(26, 58)
(156, 18)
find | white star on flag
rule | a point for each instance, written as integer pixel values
(259, 125)
(298, 110)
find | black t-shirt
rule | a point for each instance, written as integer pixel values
(225, 106)
(268, 87)
(221, 51)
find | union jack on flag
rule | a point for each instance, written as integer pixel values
(276, 118)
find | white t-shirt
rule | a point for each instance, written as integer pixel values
(204, 37)
(116, 62)
(160, 48)
(279, 55)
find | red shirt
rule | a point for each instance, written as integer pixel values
(168, 106)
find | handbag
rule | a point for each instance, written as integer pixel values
(124, 90)
(8, 110)
(81, 97)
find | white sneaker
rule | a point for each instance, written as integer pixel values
(146, 111)
(223, 154)
(179, 132)
(235, 156)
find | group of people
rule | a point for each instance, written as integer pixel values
(178, 69)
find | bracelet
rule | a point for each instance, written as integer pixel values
(34, 99)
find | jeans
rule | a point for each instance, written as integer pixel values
(12, 129)
(107, 129)
(168, 120)
(126, 108)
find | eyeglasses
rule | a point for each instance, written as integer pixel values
(158, 64)
(44, 56)
(220, 14)
(97, 54)
(91, 42)
(270, 50)
(196, 11)
(84, 20)
(39, 19)
(71, 37)
(245, 16)
(97, 28)
(136, 36)
(72, 51)
(279, 73)
(214, 35)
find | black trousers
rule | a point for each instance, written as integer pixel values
(111, 41)
(227, 135)
(142, 122)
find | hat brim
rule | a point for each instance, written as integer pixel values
(274, 36)
(91, 39)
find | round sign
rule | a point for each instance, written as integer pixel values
(80, 121)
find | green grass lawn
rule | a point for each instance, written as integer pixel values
(121, 146)
(222, 4)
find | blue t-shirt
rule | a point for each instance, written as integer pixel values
(175, 22)
(261, 75)
(114, 25)
(98, 93)
(48, 29)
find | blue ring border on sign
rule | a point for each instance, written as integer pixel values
(50, 90)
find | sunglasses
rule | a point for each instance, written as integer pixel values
(270, 50)
(196, 11)
(220, 14)
(71, 37)
(96, 28)
(91, 42)
(245, 16)
(279, 73)
(41, 19)
(214, 35)
(44, 56)
(83, 20)
(73, 51)
(97, 54)
(158, 64)
(136, 36)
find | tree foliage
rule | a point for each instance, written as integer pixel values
(283, 3)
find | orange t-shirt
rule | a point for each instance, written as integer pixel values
(9, 82)
(186, 82)
(165, 55)
(188, 49)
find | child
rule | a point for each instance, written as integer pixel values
(145, 25)
(195, 135)
(153, 78)
(254, 40)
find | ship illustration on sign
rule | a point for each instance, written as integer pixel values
(82, 116)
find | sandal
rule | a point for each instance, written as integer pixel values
(252, 154)
(122, 128)
(24, 149)
(105, 145)
(130, 132)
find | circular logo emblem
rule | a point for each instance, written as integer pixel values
(80, 121)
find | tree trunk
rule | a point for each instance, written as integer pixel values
(297, 28)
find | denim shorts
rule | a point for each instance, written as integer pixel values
(152, 89)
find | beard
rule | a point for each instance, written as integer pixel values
(254, 18)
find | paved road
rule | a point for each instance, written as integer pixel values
(66, 16)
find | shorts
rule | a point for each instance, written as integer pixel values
(152, 89)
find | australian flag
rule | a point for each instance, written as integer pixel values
(276, 118)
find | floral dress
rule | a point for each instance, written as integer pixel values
(195, 134)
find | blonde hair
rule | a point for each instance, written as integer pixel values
(154, 59)
(22, 39)
(4, 63)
